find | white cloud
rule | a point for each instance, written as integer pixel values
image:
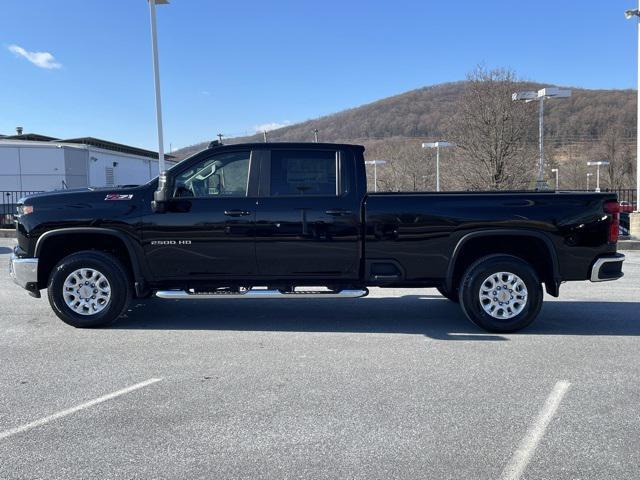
(270, 126)
(205, 93)
(39, 59)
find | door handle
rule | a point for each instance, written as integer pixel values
(338, 212)
(236, 213)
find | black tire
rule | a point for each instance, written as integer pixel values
(450, 296)
(472, 282)
(111, 268)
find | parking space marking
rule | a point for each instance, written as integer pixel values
(82, 406)
(529, 443)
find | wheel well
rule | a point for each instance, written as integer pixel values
(531, 249)
(57, 247)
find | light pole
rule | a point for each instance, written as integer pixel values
(630, 14)
(156, 78)
(555, 170)
(540, 96)
(598, 165)
(589, 175)
(437, 146)
(375, 164)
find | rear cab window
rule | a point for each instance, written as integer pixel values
(305, 173)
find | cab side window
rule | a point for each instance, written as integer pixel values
(303, 173)
(225, 175)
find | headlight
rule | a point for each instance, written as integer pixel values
(24, 209)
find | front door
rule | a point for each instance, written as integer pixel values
(308, 217)
(208, 230)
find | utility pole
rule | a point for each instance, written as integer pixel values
(540, 96)
(437, 146)
(629, 14)
(220, 135)
(375, 164)
(602, 163)
(541, 182)
(156, 79)
(556, 171)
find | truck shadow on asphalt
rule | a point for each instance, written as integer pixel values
(5, 250)
(428, 315)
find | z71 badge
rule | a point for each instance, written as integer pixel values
(118, 196)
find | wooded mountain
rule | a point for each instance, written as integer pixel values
(424, 113)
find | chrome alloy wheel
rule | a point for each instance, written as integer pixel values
(86, 291)
(503, 295)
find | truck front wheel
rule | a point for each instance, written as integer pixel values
(89, 289)
(501, 293)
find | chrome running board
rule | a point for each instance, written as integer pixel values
(257, 293)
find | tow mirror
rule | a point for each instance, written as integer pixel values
(164, 192)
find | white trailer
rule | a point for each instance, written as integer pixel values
(46, 165)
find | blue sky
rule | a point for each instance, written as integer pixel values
(230, 66)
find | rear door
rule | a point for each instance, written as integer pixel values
(308, 216)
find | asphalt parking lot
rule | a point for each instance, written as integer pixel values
(396, 385)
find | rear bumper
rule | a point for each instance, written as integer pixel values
(607, 268)
(24, 272)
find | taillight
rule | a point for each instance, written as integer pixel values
(612, 208)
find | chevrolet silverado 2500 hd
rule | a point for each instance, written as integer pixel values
(272, 220)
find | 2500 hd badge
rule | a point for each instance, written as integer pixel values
(170, 242)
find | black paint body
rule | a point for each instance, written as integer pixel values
(317, 240)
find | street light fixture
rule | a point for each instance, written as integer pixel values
(589, 175)
(375, 164)
(629, 14)
(598, 165)
(437, 146)
(556, 171)
(540, 96)
(156, 78)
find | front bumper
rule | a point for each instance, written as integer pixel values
(607, 268)
(24, 272)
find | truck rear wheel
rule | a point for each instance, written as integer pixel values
(501, 293)
(89, 289)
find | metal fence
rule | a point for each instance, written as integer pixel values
(8, 202)
(627, 197)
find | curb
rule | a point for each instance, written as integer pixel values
(7, 233)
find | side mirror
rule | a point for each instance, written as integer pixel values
(164, 193)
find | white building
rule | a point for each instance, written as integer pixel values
(31, 162)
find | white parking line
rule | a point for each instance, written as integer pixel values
(69, 411)
(527, 447)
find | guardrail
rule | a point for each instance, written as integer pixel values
(8, 201)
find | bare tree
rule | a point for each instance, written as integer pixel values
(618, 153)
(493, 134)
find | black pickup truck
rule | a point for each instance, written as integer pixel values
(295, 220)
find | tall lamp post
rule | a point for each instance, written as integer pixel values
(556, 171)
(156, 78)
(375, 164)
(437, 146)
(589, 175)
(540, 96)
(629, 14)
(598, 165)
